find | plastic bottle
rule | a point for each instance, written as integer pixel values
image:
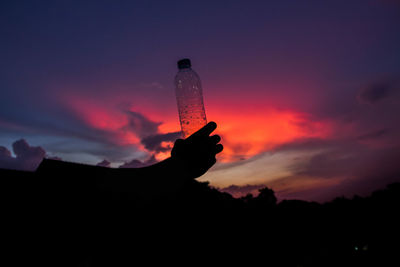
(189, 96)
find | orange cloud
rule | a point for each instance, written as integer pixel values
(245, 131)
(246, 134)
(100, 116)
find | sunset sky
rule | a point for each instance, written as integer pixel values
(306, 94)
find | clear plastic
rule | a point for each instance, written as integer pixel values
(189, 96)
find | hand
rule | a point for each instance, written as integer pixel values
(196, 154)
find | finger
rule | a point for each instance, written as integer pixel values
(215, 139)
(205, 131)
(218, 148)
(211, 161)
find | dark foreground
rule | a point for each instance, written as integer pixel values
(66, 220)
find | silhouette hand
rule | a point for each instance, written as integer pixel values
(196, 154)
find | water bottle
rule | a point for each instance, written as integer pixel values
(189, 96)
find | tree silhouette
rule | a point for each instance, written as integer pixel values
(267, 196)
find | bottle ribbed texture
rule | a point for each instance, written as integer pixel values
(189, 96)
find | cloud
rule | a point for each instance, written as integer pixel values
(324, 169)
(373, 135)
(94, 129)
(135, 163)
(4, 152)
(376, 92)
(118, 126)
(141, 125)
(26, 158)
(374, 171)
(154, 142)
(355, 157)
(327, 164)
(329, 150)
(149, 133)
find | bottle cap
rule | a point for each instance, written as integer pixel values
(184, 63)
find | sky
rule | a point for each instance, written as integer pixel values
(306, 94)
